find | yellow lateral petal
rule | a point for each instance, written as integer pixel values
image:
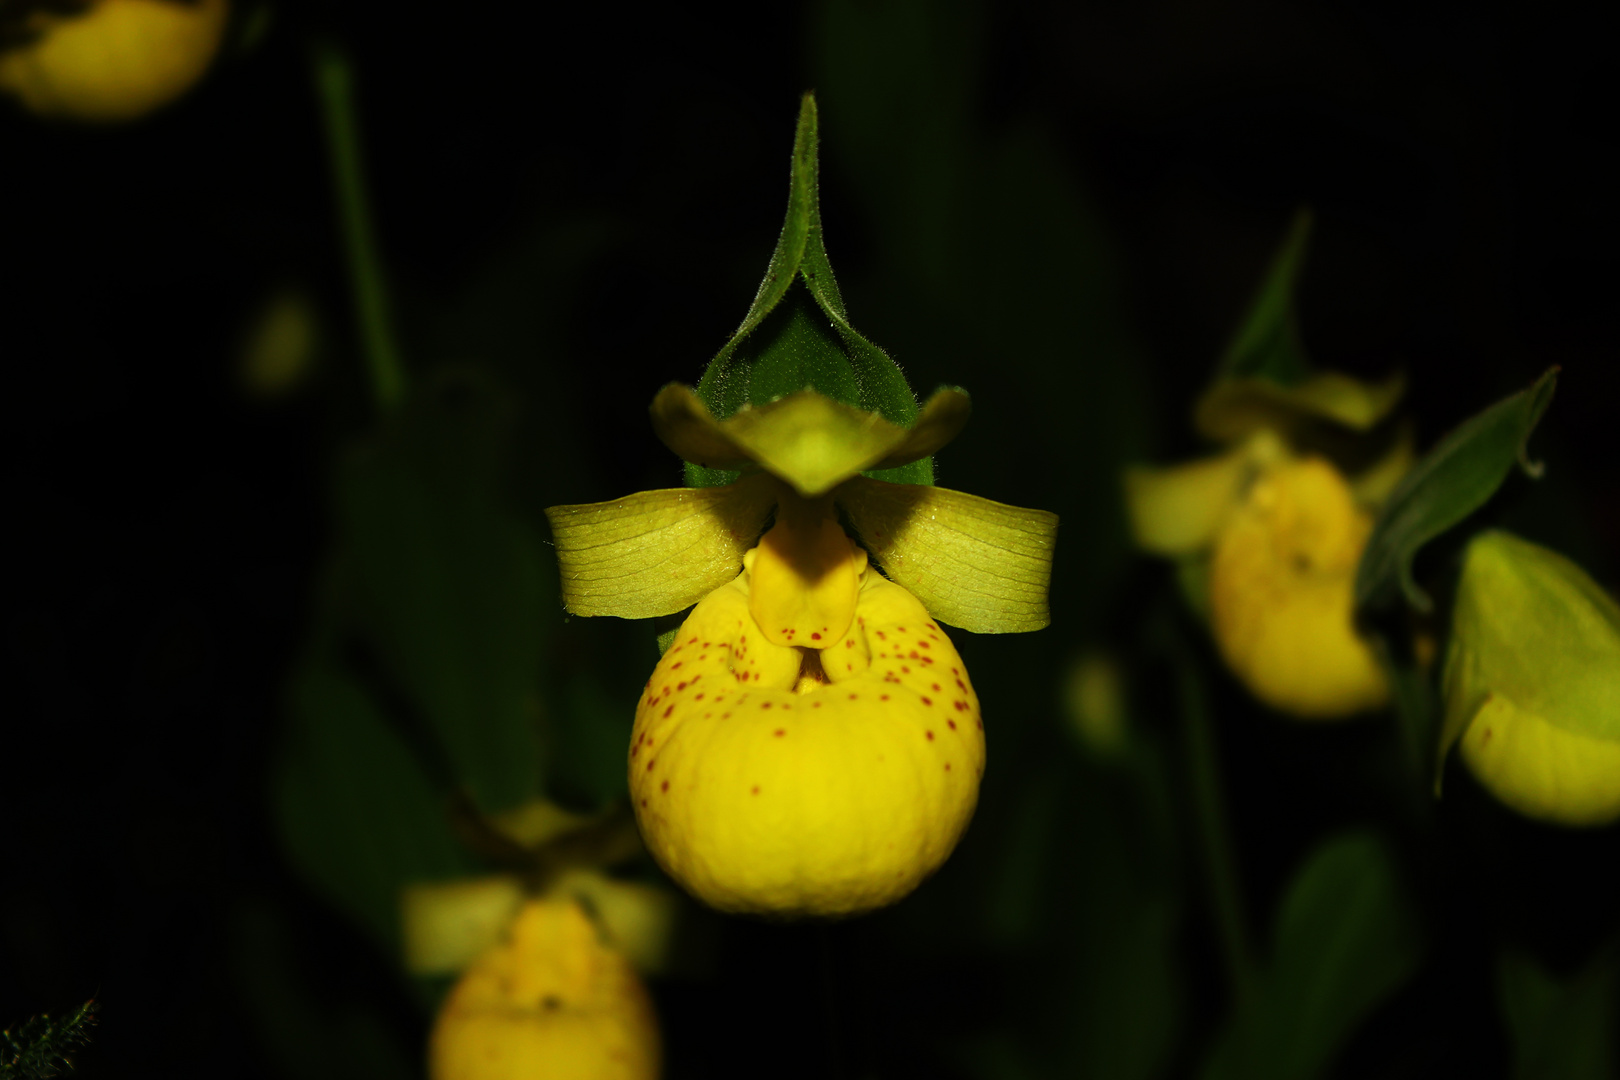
(638, 920)
(1373, 484)
(1235, 408)
(656, 552)
(446, 925)
(804, 577)
(1179, 509)
(758, 793)
(974, 563)
(807, 439)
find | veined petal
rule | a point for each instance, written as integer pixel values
(807, 439)
(1235, 408)
(656, 552)
(1179, 509)
(974, 563)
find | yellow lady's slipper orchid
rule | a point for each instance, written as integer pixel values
(1269, 536)
(549, 1002)
(1532, 682)
(810, 744)
(115, 60)
(1280, 586)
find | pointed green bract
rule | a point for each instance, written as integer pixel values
(797, 335)
(1267, 343)
(1453, 480)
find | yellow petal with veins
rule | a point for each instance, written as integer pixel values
(807, 439)
(792, 781)
(805, 576)
(1280, 588)
(981, 565)
(656, 552)
(550, 1002)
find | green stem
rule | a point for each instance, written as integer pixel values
(1215, 832)
(334, 84)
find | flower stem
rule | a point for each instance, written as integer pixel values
(1214, 831)
(334, 85)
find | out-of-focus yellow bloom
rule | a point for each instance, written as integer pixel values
(117, 60)
(1532, 682)
(810, 744)
(548, 1002)
(1094, 698)
(1280, 594)
(1268, 535)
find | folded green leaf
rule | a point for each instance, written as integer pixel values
(1453, 480)
(1345, 938)
(656, 552)
(974, 563)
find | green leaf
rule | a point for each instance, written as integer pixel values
(1560, 1030)
(797, 334)
(453, 594)
(1345, 938)
(1453, 480)
(358, 814)
(1267, 343)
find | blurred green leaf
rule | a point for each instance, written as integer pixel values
(1345, 938)
(797, 334)
(358, 814)
(1267, 343)
(1453, 480)
(1561, 1030)
(452, 590)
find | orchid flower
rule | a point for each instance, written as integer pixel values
(810, 743)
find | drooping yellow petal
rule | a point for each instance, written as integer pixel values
(656, 552)
(809, 440)
(1179, 509)
(1233, 409)
(805, 576)
(981, 565)
(1280, 590)
(1532, 681)
(789, 781)
(550, 1002)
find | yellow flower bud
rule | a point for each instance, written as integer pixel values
(550, 1002)
(823, 777)
(119, 60)
(1280, 594)
(1532, 682)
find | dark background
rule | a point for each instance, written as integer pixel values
(625, 167)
